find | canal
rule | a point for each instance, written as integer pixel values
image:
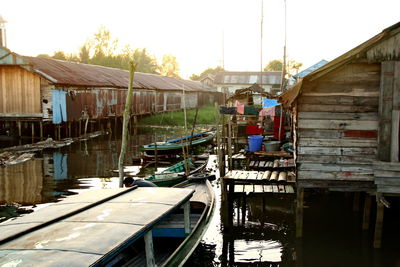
(263, 228)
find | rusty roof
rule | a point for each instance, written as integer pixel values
(77, 74)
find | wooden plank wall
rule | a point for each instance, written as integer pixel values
(338, 124)
(387, 177)
(19, 91)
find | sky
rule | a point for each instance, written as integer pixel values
(201, 33)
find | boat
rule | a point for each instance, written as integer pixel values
(174, 146)
(174, 246)
(177, 172)
(137, 226)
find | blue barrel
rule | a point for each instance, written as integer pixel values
(255, 142)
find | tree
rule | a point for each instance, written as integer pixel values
(212, 71)
(274, 65)
(59, 55)
(84, 53)
(169, 66)
(292, 66)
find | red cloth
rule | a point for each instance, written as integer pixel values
(277, 122)
(253, 129)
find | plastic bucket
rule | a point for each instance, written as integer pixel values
(272, 145)
(255, 142)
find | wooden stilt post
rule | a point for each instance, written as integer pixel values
(19, 126)
(69, 129)
(80, 127)
(356, 202)
(55, 132)
(299, 212)
(41, 130)
(229, 141)
(33, 130)
(379, 225)
(148, 241)
(367, 212)
(244, 204)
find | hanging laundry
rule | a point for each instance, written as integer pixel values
(250, 110)
(227, 110)
(239, 107)
(253, 129)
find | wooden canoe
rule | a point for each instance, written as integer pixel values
(91, 228)
(177, 172)
(175, 145)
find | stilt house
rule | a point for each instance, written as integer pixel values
(41, 90)
(346, 120)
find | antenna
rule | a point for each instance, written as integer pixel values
(223, 50)
(284, 56)
(261, 43)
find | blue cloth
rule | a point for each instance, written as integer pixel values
(269, 103)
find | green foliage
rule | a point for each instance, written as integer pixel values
(274, 65)
(102, 50)
(212, 71)
(292, 66)
(205, 116)
(169, 66)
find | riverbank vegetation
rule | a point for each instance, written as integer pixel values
(205, 116)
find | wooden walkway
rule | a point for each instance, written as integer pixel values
(278, 181)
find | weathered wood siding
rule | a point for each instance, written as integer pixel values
(19, 92)
(337, 124)
(387, 177)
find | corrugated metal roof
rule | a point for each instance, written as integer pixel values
(76, 74)
(311, 69)
(246, 77)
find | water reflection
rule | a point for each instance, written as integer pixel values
(259, 231)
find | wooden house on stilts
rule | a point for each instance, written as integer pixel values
(346, 118)
(48, 97)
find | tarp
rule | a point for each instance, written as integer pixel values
(267, 103)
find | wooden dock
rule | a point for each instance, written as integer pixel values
(277, 181)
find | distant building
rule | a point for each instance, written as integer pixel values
(230, 81)
(208, 80)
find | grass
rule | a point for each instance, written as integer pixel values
(205, 116)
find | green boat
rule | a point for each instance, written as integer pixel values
(174, 146)
(177, 172)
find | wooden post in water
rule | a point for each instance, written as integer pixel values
(299, 212)
(127, 111)
(356, 202)
(41, 130)
(230, 143)
(191, 136)
(367, 212)
(380, 208)
(155, 152)
(148, 242)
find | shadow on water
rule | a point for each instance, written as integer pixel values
(260, 231)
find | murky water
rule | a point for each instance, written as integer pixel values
(261, 232)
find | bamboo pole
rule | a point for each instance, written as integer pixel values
(127, 111)
(191, 136)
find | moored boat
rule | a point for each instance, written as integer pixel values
(177, 172)
(115, 227)
(173, 146)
